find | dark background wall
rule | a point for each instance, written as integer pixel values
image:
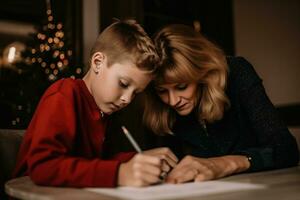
(216, 21)
(266, 32)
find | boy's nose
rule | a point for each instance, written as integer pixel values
(126, 98)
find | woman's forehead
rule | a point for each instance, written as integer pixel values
(171, 77)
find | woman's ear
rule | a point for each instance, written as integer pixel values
(97, 61)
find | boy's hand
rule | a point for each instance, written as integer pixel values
(141, 170)
(164, 153)
(147, 168)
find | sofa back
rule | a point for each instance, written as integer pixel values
(10, 141)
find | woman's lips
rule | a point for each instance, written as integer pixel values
(181, 107)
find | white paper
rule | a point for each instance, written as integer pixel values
(171, 191)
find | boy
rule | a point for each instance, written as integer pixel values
(63, 144)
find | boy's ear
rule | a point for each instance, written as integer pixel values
(97, 61)
(97, 58)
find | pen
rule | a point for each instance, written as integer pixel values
(131, 140)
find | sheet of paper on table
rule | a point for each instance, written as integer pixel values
(171, 191)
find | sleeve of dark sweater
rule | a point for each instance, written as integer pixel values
(277, 147)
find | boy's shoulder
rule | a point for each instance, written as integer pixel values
(65, 86)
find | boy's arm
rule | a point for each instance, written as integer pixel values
(50, 160)
(123, 156)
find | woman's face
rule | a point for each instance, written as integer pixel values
(182, 97)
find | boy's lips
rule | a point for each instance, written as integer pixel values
(115, 107)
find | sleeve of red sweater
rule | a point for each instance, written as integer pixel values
(123, 156)
(50, 161)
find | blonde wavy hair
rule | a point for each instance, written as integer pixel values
(186, 56)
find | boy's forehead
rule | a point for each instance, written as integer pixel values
(132, 73)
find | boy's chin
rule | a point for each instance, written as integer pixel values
(109, 112)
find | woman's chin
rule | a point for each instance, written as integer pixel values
(183, 112)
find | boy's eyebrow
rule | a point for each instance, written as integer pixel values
(132, 81)
(127, 78)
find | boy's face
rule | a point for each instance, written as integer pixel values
(115, 86)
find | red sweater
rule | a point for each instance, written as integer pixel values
(64, 142)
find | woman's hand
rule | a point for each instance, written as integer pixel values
(192, 168)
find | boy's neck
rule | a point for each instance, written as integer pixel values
(87, 80)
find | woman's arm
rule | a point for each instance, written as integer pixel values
(276, 147)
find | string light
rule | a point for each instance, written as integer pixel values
(50, 40)
(78, 70)
(59, 64)
(51, 77)
(59, 26)
(50, 18)
(47, 47)
(62, 56)
(43, 64)
(55, 72)
(56, 40)
(66, 62)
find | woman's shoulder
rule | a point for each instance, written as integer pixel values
(241, 71)
(239, 64)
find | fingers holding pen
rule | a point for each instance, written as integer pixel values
(141, 170)
(164, 153)
(147, 167)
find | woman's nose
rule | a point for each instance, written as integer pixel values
(173, 99)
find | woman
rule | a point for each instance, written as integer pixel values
(214, 111)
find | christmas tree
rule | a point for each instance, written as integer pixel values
(46, 58)
(48, 52)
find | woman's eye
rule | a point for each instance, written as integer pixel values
(160, 90)
(123, 85)
(181, 86)
(134, 94)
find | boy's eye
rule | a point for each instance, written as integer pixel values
(182, 86)
(123, 84)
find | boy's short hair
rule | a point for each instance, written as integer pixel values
(127, 40)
